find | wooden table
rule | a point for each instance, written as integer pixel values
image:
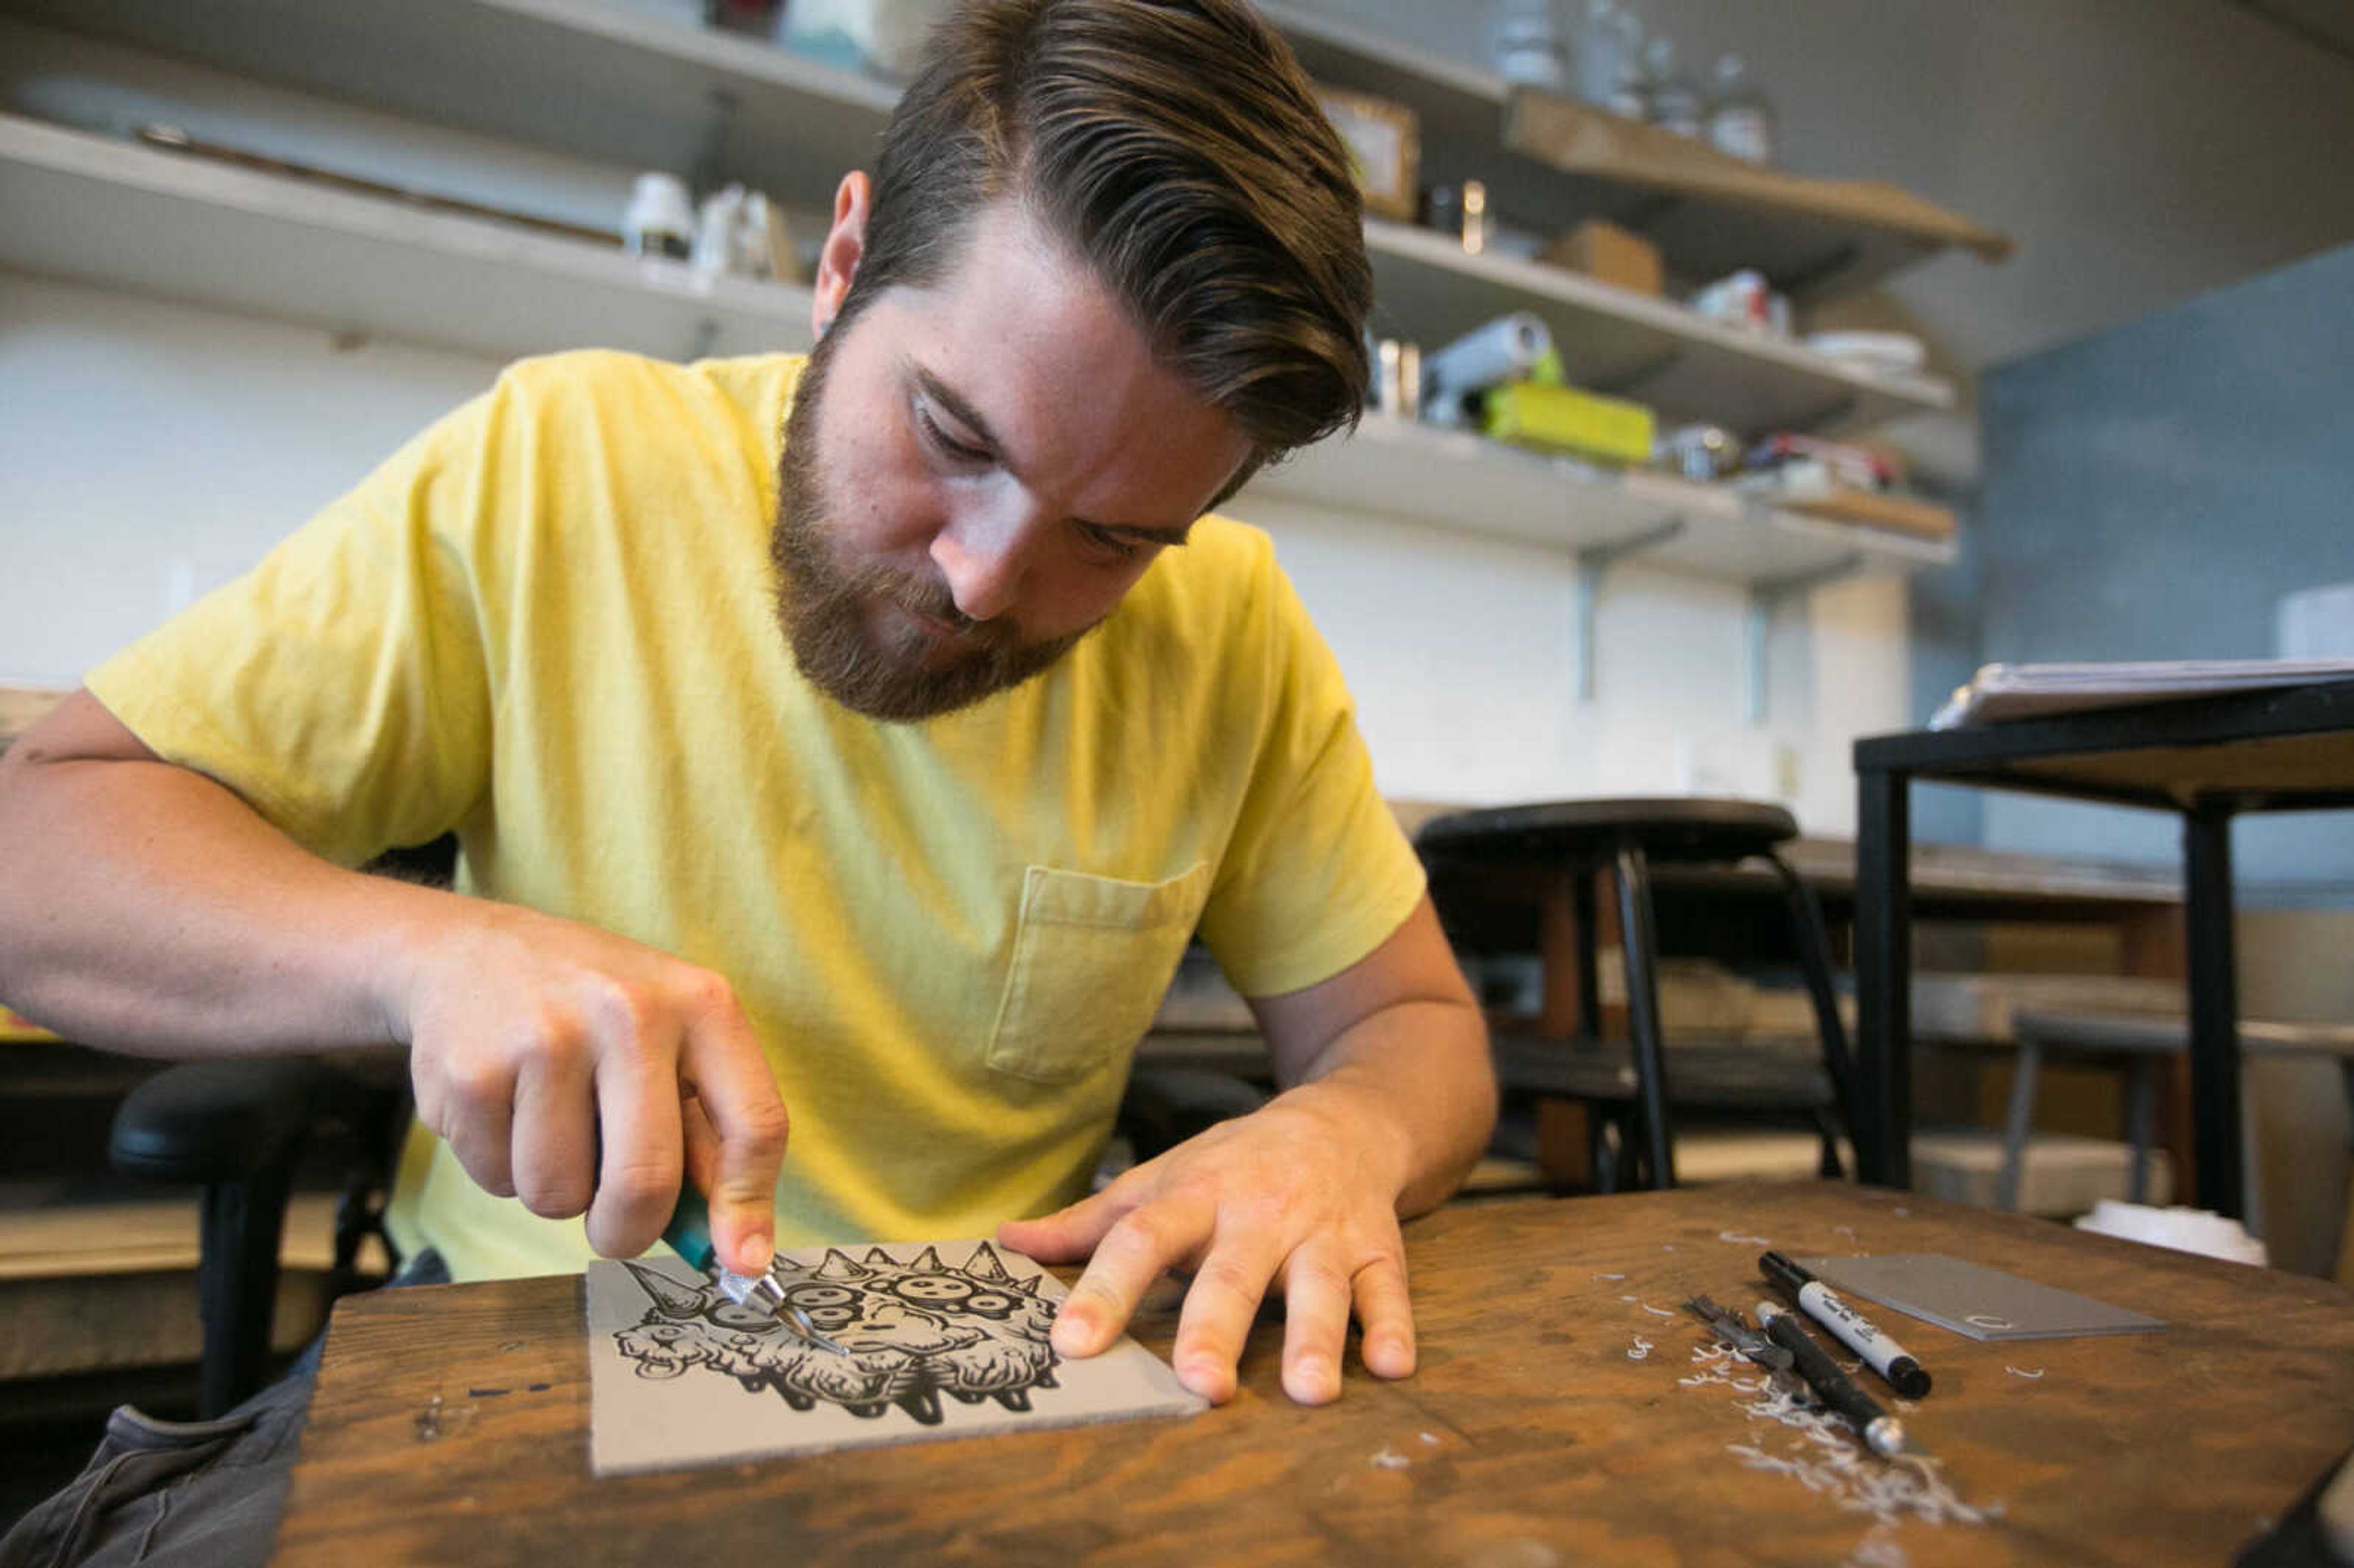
(450, 1424)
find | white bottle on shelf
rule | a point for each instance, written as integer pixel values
(1741, 119)
(1608, 59)
(1671, 98)
(1529, 45)
(661, 219)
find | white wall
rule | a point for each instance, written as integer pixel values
(1459, 651)
(154, 450)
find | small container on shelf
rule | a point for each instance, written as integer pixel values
(1741, 119)
(660, 220)
(1602, 250)
(1608, 63)
(1671, 98)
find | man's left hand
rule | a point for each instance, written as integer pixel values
(1299, 1197)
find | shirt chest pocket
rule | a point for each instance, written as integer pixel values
(1092, 959)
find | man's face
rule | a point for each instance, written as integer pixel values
(976, 471)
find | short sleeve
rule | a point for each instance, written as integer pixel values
(341, 687)
(1317, 873)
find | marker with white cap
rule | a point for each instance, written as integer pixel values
(1853, 1330)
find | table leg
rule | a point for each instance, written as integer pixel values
(2214, 1009)
(1569, 934)
(1589, 948)
(2141, 1118)
(1884, 965)
(1638, 943)
(2155, 945)
(2019, 1127)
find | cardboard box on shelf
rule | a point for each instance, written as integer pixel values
(1879, 509)
(1605, 251)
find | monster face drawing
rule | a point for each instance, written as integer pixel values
(911, 1332)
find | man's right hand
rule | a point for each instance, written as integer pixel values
(143, 906)
(582, 1072)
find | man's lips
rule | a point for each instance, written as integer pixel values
(939, 629)
(941, 643)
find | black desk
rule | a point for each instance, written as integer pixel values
(2208, 760)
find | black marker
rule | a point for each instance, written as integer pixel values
(1853, 1330)
(1880, 1432)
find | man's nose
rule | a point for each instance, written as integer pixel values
(983, 553)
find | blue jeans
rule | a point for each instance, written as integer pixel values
(183, 1494)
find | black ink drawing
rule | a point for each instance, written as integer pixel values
(912, 1332)
(680, 1375)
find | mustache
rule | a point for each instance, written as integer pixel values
(931, 598)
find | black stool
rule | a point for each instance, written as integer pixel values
(1565, 844)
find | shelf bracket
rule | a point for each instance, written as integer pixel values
(1624, 385)
(710, 157)
(1801, 281)
(1592, 562)
(1767, 596)
(1838, 412)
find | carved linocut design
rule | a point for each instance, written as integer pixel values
(939, 1340)
(911, 1333)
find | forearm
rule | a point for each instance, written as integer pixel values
(1419, 1070)
(146, 908)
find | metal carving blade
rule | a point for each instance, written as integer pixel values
(1752, 1345)
(767, 1293)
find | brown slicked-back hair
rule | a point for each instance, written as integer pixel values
(1177, 147)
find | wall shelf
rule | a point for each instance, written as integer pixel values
(1455, 480)
(1708, 215)
(91, 208)
(611, 84)
(98, 210)
(1685, 364)
(598, 81)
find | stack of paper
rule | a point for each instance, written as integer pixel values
(2001, 692)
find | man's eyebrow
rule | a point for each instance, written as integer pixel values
(965, 414)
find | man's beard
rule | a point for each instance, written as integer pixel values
(824, 609)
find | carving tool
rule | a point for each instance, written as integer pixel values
(1881, 1433)
(689, 1231)
(1753, 1346)
(1850, 1326)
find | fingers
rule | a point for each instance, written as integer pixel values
(1068, 1235)
(554, 1137)
(1139, 1248)
(642, 1161)
(1315, 1300)
(1220, 1305)
(1385, 1311)
(723, 1068)
(471, 1108)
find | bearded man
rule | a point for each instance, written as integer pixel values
(861, 738)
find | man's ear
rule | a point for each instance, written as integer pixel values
(846, 242)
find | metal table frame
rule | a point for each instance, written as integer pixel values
(2207, 760)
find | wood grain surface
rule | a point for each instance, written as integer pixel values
(449, 1424)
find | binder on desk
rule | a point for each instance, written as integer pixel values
(2001, 692)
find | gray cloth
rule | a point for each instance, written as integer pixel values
(183, 1494)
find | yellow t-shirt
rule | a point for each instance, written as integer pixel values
(548, 623)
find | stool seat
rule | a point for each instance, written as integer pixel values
(1677, 827)
(2135, 1041)
(1722, 1074)
(2168, 1034)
